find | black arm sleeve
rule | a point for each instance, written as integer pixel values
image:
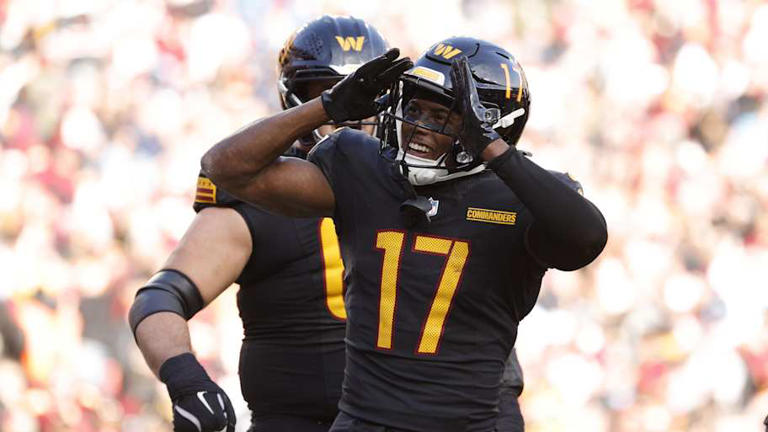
(169, 290)
(569, 231)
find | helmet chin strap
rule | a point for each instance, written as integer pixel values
(422, 171)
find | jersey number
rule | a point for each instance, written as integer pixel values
(391, 243)
(334, 269)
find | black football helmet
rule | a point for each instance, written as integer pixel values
(324, 51)
(501, 85)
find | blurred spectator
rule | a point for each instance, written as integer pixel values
(658, 108)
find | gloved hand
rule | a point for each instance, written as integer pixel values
(354, 97)
(199, 405)
(477, 126)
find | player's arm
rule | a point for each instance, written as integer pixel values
(248, 164)
(208, 259)
(569, 231)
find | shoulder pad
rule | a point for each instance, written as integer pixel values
(568, 180)
(208, 194)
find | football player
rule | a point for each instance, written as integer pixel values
(446, 229)
(289, 272)
(292, 357)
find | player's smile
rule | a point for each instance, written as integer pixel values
(418, 147)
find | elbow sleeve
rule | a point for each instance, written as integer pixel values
(167, 291)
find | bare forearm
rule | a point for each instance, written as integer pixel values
(162, 336)
(236, 160)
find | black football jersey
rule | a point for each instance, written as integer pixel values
(433, 307)
(292, 307)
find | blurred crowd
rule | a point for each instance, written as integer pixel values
(657, 107)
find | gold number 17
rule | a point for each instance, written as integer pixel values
(456, 251)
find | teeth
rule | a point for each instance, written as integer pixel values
(418, 147)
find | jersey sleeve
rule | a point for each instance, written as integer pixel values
(332, 159)
(207, 194)
(273, 237)
(324, 155)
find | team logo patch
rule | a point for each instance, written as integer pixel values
(491, 216)
(206, 191)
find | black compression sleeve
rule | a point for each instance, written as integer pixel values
(168, 290)
(569, 231)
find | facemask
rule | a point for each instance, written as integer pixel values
(422, 171)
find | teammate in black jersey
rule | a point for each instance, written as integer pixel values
(443, 253)
(289, 272)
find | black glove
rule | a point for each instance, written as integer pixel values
(354, 97)
(477, 126)
(199, 405)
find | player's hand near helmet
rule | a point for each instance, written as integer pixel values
(477, 120)
(355, 97)
(199, 405)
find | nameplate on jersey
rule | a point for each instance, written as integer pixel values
(206, 191)
(491, 216)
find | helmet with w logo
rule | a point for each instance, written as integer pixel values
(500, 82)
(324, 50)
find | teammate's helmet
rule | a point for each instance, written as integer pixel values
(326, 49)
(321, 53)
(500, 81)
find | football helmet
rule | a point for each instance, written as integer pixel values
(501, 85)
(319, 54)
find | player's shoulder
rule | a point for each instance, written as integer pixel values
(494, 188)
(486, 189)
(344, 141)
(348, 137)
(345, 154)
(568, 179)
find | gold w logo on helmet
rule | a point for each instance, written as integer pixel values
(351, 42)
(446, 51)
